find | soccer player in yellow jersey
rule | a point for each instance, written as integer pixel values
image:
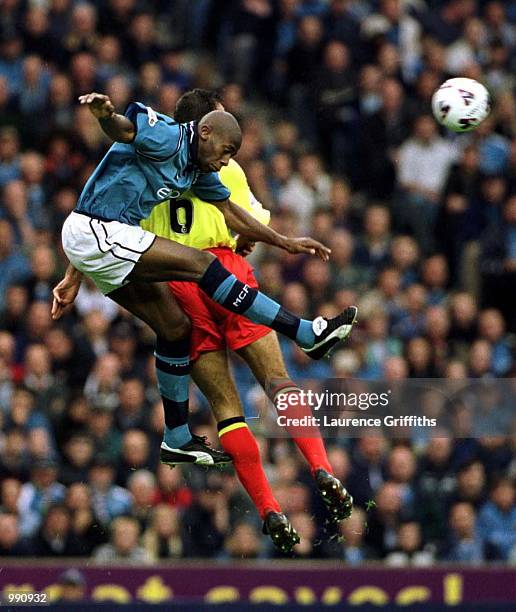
(193, 222)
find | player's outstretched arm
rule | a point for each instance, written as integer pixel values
(117, 127)
(240, 221)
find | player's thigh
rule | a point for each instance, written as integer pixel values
(168, 260)
(154, 304)
(212, 375)
(265, 359)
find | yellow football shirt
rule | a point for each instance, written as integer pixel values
(196, 223)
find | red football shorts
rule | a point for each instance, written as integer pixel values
(213, 327)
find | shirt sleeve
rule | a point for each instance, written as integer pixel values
(155, 137)
(209, 188)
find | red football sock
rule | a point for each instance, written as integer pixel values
(240, 444)
(307, 439)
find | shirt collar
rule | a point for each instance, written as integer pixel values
(193, 145)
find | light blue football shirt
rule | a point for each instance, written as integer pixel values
(158, 165)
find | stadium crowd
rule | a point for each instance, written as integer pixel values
(334, 100)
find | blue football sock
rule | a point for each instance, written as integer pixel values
(173, 372)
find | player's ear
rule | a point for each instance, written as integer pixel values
(205, 131)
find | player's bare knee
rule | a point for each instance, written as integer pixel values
(183, 327)
(174, 329)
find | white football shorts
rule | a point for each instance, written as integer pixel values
(104, 250)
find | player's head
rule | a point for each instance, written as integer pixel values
(220, 137)
(194, 104)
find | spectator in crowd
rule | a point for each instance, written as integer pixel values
(424, 162)
(401, 468)
(471, 483)
(380, 346)
(409, 549)
(56, 537)
(367, 472)
(10, 162)
(460, 219)
(383, 133)
(131, 412)
(243, 542)
(78, 455)
(162, 539)
(106, 438)
(373, 249)
(492, 328)
(308, 189)
(102, 385)
(498, 262)
(385, 519)
(464, 545)
(14, 463)
(496, 520)
(206, 523)
(109, 500)
(302, 64)
(123, 546)
(412, 320)
(40, 284)
(11, 544)
(38, 494)
(353, 550)
(85, 524)
(14, 266)
(142, 486)
(435, 484)
(41, 383)
(10, 493)
(135, 454)
(335, 101)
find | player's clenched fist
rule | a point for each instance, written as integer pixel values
(99, 104)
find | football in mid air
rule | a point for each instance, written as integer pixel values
(461, 104)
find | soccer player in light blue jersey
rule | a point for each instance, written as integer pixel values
(155, 159)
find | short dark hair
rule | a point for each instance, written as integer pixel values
(194, 104)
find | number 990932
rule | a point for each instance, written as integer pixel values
(24, 598)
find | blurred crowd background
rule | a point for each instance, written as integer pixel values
(334, 100)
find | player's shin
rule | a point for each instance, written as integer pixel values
(225, 289)
(240, 444)
(173, 372)
(307, 438)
